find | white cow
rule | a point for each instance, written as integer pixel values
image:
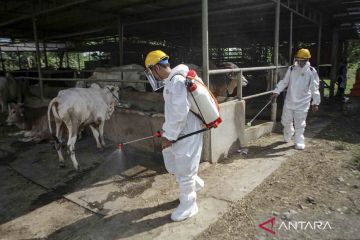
(131, 72)
(79, 107)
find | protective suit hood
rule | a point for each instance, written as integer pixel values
(179, 69)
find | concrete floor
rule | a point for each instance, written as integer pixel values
(132, 193)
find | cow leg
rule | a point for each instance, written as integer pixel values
(101, 131)
(96, 136)
(27, 139)
(71, 148)
(22, 132)
(58, 143)
(29, 134)
(80, 133)
(71, 144)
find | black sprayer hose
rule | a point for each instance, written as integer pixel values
(190, 134)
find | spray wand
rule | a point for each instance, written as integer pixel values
(158, 134)
(267, 104)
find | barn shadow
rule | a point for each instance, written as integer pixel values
(272, 150)
(121, 225)
(31, 177)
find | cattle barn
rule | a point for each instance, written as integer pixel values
(260, 37)
(54, 45)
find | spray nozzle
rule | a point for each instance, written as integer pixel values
(157, 134)
(120, 145)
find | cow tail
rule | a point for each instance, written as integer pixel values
(52, 105)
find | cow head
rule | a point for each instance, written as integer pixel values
(232, 78)
(114, 90)
(16, 114)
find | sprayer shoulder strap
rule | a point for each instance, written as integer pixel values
(197, 115)
(178, 74)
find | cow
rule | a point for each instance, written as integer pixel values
(75, 108)
(131, 72)
(227, 86)
(10, 91)
(222, 85)
(31, 121)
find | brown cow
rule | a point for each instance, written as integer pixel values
(222, 85)
(32, 122)
(10, 91)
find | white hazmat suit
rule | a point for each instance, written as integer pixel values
(183, 157)
(302, 85)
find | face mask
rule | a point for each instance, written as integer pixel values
(156, 85)
(301, 62)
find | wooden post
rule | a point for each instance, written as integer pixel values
(37, 56)
(121, 42)
(2, 61)
(276, 58)
(19, 57)
(205, 42)
(67, 59)
(291, 38)
(78, 60)
(45, 55)
(334, 60)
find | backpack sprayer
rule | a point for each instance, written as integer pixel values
(203, 105)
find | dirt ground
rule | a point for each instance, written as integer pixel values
(319, 183)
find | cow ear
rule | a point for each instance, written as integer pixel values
(95, 86)
(21, 104)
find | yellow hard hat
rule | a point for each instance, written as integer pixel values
(154, 57)
(303, 53)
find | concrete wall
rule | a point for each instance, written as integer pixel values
(143, 101)
(231, 134)
(127, 125)
(227, 137)
(255, 132)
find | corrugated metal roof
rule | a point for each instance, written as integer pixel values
(234, 19)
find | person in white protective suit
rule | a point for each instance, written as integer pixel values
(302, 82)
(181, 158)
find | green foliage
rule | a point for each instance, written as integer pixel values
(354, 52)
(26, 60)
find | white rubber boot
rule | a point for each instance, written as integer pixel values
(299, 146)
(184, 212)
(288, 133)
